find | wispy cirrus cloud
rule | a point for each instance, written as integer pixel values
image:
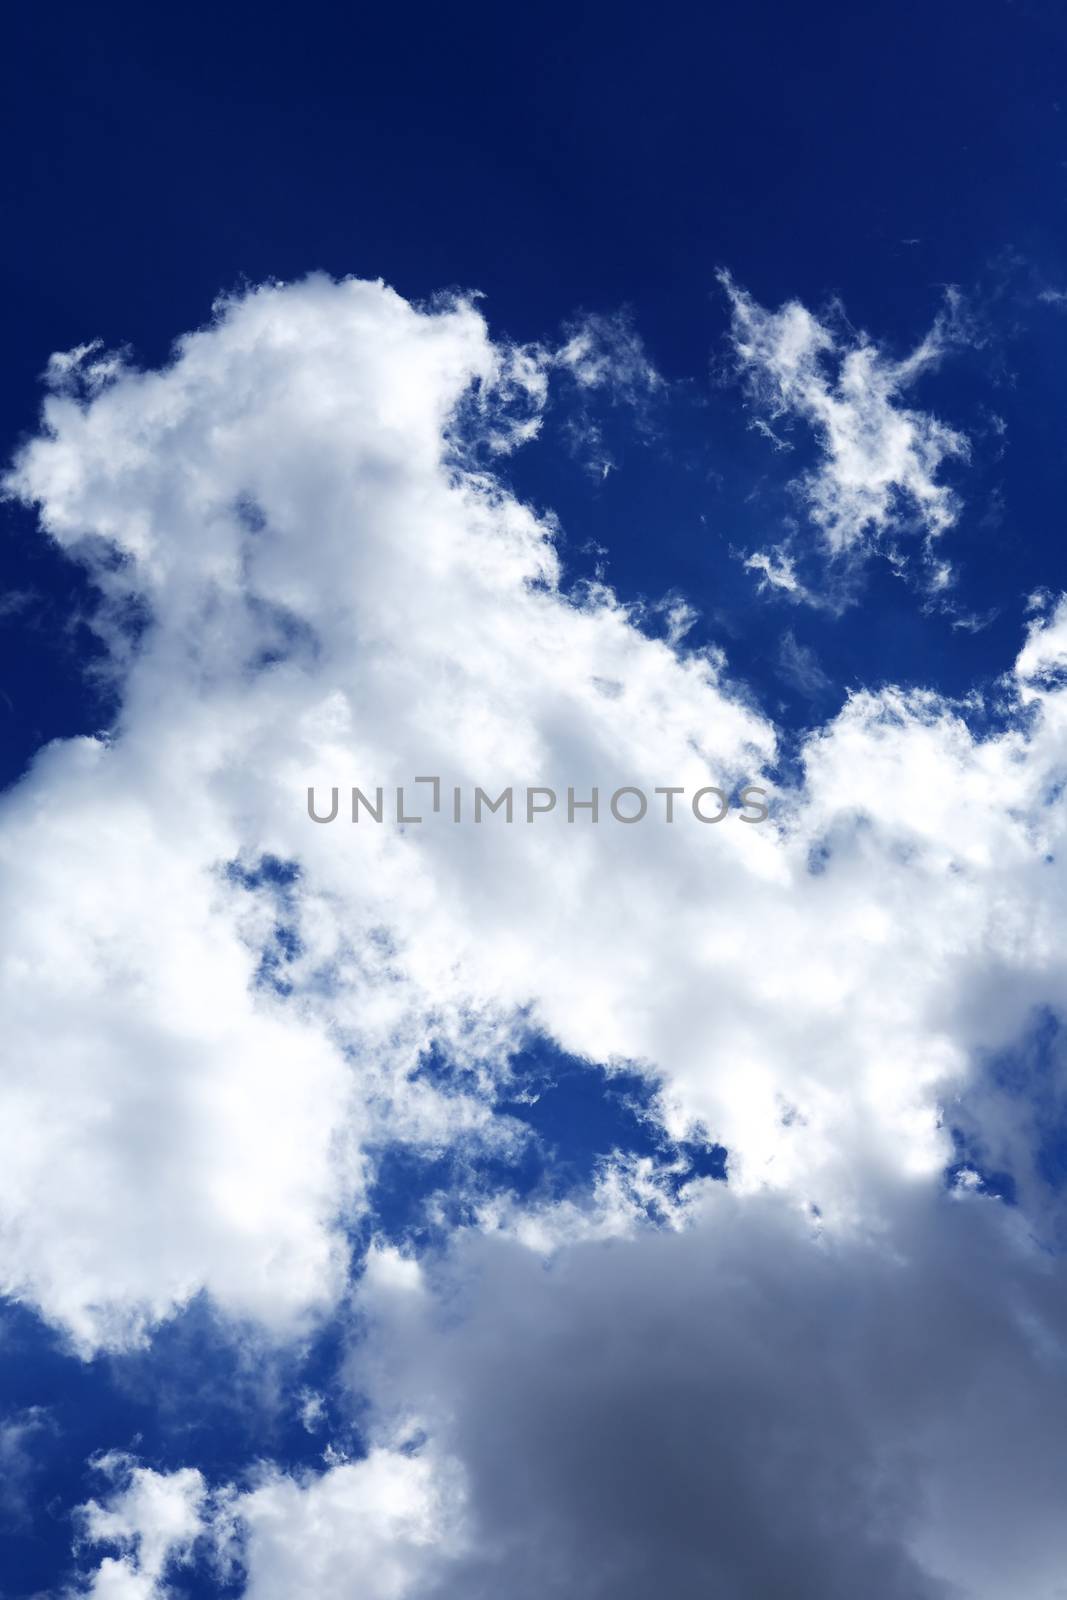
(881, 459)
(606, 358)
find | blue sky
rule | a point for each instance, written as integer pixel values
(581, 397)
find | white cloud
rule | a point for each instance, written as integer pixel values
(332, 598)
(338, 594)
(312, 1410)
(881, 458)
(778, 571)
(379, 613)
(607, 352)
(605, 356)
(1044, 655)
(378, 1528)
(335, 601)
(154, 1520)
(175, 1128)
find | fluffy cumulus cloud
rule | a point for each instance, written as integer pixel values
(382, 1527)
(379, 1527)
(151, 1521)
(336, 594)
(880, 459)
(312, 573)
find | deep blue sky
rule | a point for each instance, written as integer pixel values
(559, 158)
